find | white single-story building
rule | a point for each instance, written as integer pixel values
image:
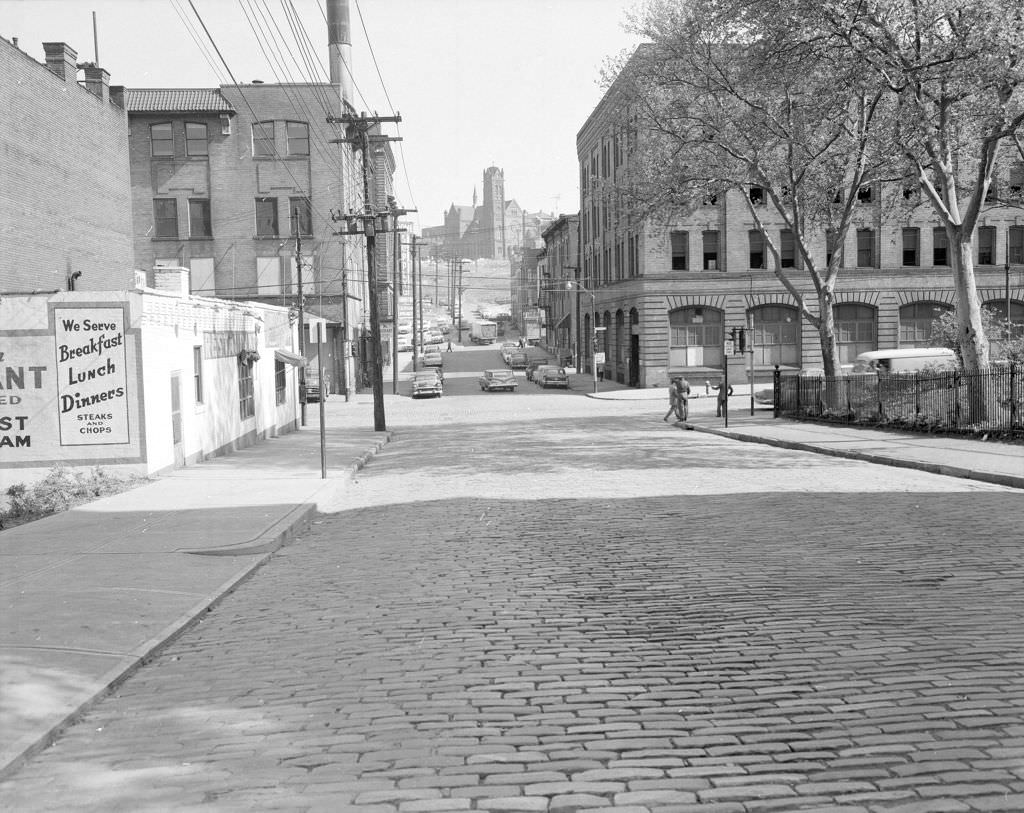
(139, 381)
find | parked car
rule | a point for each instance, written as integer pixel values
(492, 380)
(518, 360)
(427, 384)
(507, 348)
(907, 360)
(552, 376)
(533, 365)
(432, 358)
(540, 370)
(404, 344)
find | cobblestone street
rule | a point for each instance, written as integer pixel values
(555, 614)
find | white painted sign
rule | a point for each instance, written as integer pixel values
(92, 376)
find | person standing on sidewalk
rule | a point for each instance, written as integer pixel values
(723, 396)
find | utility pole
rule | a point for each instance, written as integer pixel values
(415, 298)
(458, 285)
(420, 263)
(345, 353)
(302, 320)
(371, 221)
(451, 289)
(395, 279)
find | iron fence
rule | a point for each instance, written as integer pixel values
(991, 400)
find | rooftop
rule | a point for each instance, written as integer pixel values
(180, 100)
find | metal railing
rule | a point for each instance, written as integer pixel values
(991, 400)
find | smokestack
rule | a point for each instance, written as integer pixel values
(339, 48)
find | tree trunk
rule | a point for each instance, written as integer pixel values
(973, 344)
(829, 348)
(827, 333)
(971, 333)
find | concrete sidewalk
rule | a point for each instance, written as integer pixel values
(988, 461)
(88, 595)
(991, 462)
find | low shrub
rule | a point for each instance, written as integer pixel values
(60, 490)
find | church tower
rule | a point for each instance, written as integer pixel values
(492, 221)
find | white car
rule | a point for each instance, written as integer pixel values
(431, 358)
(427, 384)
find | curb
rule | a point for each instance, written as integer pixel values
(266, 544)
(1008, 480)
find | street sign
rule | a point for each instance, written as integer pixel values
(730, 347)
(599, 358)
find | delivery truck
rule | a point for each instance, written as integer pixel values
(483, 331)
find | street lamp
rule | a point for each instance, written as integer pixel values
(574, 285)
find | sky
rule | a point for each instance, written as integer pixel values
(478, 83)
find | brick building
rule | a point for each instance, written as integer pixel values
(667, 294)
(65, 208)
(497, 228)
(236, 182)
(561, 303)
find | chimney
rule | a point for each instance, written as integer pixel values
(171, 279)
(117, 95)
(97, 82)
(61, 59)
(339, 48)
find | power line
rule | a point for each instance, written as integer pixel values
(314, 66)
(346, 66)
(255, 118)
(296, 101)
(383, 87)
(203, 48)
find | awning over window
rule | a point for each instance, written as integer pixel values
(289, 358)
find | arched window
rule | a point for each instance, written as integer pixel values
(776, 335)
(916, 323)
(620, 338)
(998, 307)
(263, 139)
(695, 338)
(856, 331)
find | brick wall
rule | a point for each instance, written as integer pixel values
(64, 182)
(232, 180)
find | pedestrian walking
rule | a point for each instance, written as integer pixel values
(678, 399)
(723, 396)
(449, 345)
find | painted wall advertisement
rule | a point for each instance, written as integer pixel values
(69, 390)
(92, 376)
